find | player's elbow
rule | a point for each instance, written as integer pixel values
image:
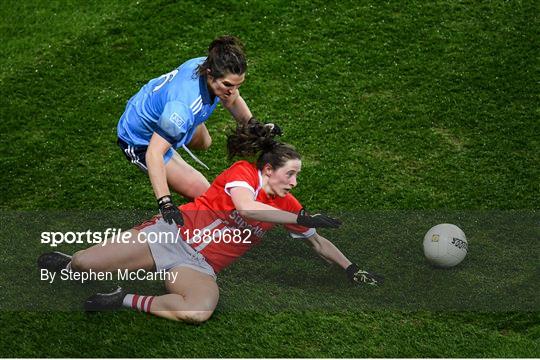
(246, 213)
(244, 203)
(245, 207)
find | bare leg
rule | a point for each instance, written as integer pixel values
(193, 297)
(201, 140)
(131, 256)
(184, 179)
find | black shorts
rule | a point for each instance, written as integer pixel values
(135, 154)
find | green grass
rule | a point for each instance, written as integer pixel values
(407, 115)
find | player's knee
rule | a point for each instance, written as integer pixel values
(194, 317)
(199, 188)
(196, 187)
(206, 143)
(203, 143)
(199, 310)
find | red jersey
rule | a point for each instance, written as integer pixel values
(214, 228)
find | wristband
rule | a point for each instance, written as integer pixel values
(164, 200)
(351, 270)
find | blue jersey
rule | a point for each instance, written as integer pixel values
(172, 105)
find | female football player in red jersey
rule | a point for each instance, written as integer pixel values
(241, 205)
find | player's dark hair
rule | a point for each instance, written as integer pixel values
(254, 138)
(225, 56)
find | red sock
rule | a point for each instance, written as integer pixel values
(138, 302)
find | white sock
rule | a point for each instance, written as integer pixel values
(128, 300)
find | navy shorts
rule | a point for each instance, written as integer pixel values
(135, 154)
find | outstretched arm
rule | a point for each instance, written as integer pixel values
(328, 251)
(249, 208)
(252, 209)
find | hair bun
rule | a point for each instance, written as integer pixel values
(252, 138)
(226, 41)
(263, 130)
(267, 144)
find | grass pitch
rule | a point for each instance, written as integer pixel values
(407, 115)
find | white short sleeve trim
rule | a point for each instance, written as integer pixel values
(242, 184)
(304, 235)
(260, 184)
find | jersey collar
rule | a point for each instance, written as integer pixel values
(203, 88)
(259, 188)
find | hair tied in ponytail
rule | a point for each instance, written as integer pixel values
(254, 138)
(267, 144)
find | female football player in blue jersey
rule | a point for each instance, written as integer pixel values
(169, 112)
